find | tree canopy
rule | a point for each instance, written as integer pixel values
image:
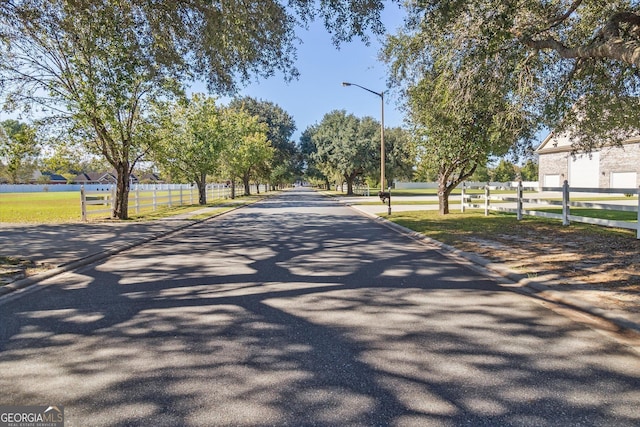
(280, 128)
(18, 150)
(190, 140)
(345, 147)
(101, 64)
(575, 62)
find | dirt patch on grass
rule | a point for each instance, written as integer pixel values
(12, 269)
(599, 266)
(595, 262)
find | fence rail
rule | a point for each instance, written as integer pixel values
(566, 204)
(100, 201)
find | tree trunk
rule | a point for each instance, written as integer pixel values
(247, 186)
(349, 186)
(443, 196)
(202, 189)
(121, 202)
(257, 188)
(233, 188)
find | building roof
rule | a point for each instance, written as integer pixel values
(562, 144)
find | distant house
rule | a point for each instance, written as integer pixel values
(47, 178)
(609, 167)
(151, 178)
(100, 178)
(94, 178)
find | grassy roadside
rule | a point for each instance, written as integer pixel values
(64, 207)
(606, 257)
(58, 208)
(455, 227)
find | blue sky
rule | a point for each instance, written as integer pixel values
(323, 68)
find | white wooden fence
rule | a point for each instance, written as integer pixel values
(566, 205)
(100, 201)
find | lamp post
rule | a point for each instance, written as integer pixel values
(383, 195)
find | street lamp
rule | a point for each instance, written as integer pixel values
(383, 195)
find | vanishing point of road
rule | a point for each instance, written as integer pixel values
(299, 311)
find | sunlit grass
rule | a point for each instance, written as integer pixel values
(456, 227)
(43, 207)
(598, 213)
(64, 207)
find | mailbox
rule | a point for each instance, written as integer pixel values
(384, 196)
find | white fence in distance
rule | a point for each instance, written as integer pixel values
(566, 205)
(430, 185)
(143, 196)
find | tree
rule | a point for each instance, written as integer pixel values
(346, 146)
(529, 172)
(19, 149)
(458, 134)
(248, 148)
(91, 63)
(99, 65)
(462, 103)
(280, 128)
(505, 171)
(310, 159)
(481, 174)
(400, 154)
(65, 160)
(576, 60)
(191, 138)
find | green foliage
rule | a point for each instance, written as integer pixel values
(481, 174)
(100, 65)
(346, 147)
(280, 127)
(462, 102)
(311, 162)
(191, 137)
(572, 64)
(504, 172)
(18, 150)
(400, 154)
(529, 172)
(248, 150)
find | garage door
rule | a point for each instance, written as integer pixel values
(584, 171)
(624, 180)
(552, 181)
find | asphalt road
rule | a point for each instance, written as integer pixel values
(298, 311)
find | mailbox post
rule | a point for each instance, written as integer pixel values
(385, 196)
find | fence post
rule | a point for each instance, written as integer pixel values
(170, 204)
(113, 200)
(155, 190)
(565, 203)
(638, 223)
(137, 199)
(487, 195)
(519, 202)
(462, 197)
(83, 204)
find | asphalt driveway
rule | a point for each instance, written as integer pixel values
(298, 311)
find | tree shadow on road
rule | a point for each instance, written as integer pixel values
(325, 319)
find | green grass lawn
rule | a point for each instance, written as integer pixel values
(60, 207)
(455, 227)
(597, 213)
(40, 207)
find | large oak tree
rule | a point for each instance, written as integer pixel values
(578, 59)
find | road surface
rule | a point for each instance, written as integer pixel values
(299, 311)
